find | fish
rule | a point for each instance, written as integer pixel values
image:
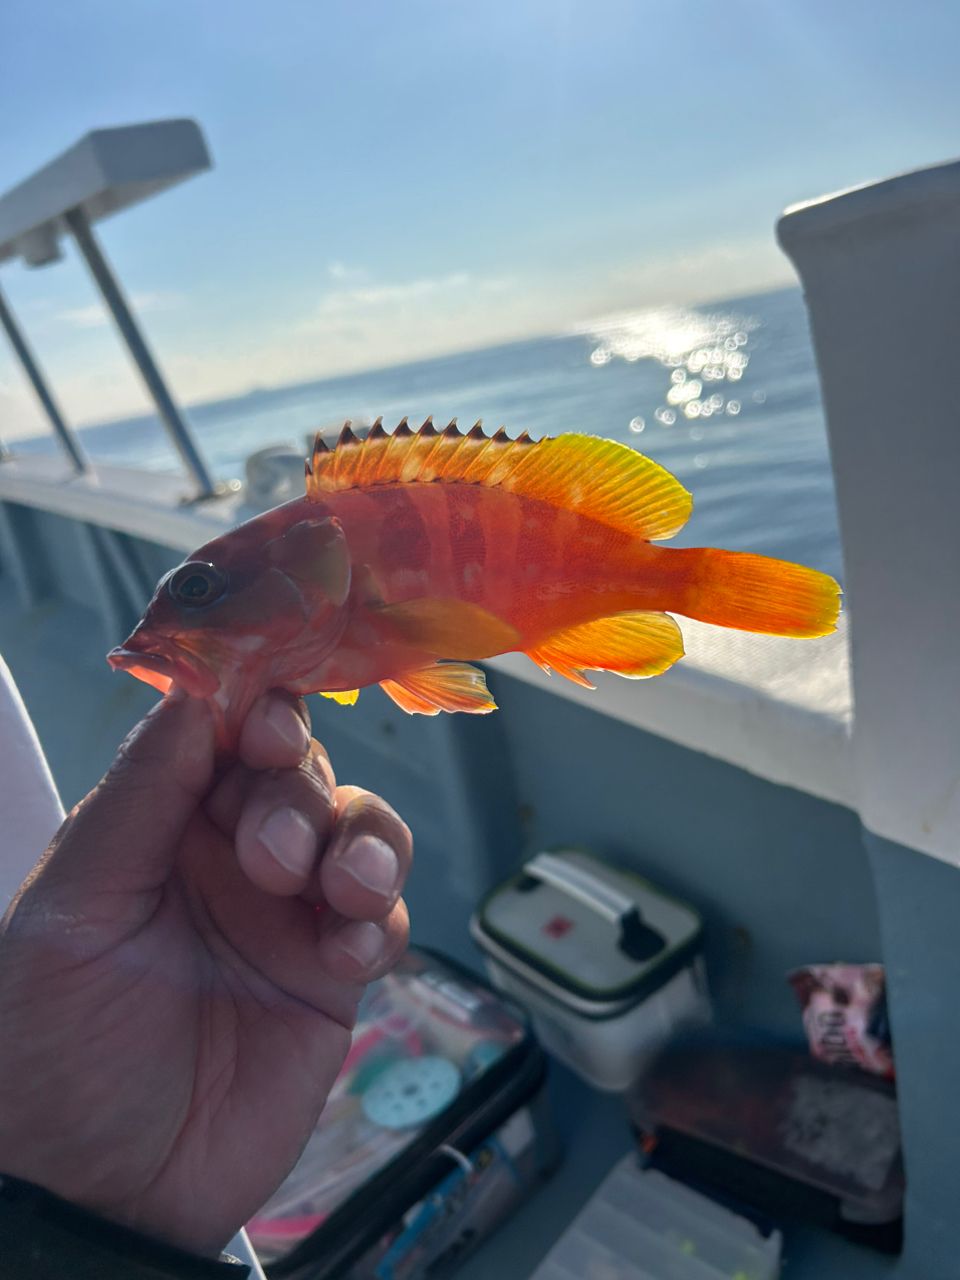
(413, 555)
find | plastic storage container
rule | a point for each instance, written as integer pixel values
(608, 965)
(436, 1128)
(642, 1225)
(779, 1133)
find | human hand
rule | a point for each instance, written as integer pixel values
(180, 973)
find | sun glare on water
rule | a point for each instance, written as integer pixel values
(704, 351)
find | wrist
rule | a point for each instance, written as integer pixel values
(79, 1168)
(43, 1237)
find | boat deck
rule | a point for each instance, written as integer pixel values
(574, 773)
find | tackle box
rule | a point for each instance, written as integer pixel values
(437, 1127)
(641, 1225)
(608, 965)
(772, 1130)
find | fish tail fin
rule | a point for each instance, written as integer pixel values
(755, 593)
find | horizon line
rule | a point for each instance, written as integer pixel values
(570, 330)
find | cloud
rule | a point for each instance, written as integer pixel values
(359, 301)
(340, 271)
(95, 315)
(362, 297)
(724, 269)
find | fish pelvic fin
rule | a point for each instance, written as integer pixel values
(444, 686)
(346, 697)
(635, 645)
(755, 593)
(597, 478)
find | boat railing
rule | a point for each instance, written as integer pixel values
(106, 170)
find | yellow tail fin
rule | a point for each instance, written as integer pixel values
(756, 593)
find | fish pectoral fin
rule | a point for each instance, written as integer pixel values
(445, 686)
(635, 645)
(346, 697)
(445, 627)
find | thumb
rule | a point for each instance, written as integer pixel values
(125, 835)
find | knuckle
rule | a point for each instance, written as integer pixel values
(372, 810)
(398, 930)
(316, 764)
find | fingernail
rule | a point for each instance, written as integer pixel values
(363, 942)
(285, 722)
(290, 838)
(373, 864)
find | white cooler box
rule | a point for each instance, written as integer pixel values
(608, 965)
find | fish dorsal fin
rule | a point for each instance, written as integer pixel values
(445, 686)
(600, 479)
(631, 644)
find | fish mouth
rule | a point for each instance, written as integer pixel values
(163, 663)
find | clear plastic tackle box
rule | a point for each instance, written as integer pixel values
(437, 1128)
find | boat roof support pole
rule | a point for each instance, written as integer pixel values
(66, 435)
(76, 219)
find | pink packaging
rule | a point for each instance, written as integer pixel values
(845, 1015)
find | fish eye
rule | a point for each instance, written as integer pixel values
(196, 584)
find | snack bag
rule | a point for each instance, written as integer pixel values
(845, 1015)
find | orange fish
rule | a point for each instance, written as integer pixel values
(413, 554)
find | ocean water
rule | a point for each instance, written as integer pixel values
(725, 396)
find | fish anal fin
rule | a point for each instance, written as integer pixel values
(598, 478)
(445, 686)
(445, 627)
(636, 645)
(345, 697)
(555, 665)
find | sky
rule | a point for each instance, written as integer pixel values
(395, 179)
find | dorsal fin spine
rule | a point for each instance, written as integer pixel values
(431, 465)
(480, 465)
(390, 447)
